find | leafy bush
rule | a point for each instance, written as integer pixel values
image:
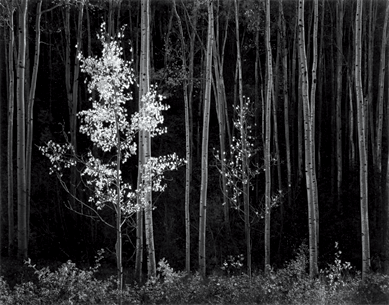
(67, 285)
(373, 290)
(290, 285)
(5, 294)
(233, 264)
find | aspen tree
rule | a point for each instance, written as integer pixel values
(245, 177)
(30, 106)
(339, 87)
(380, 108)
(369, 60)
(380, 201)
(3, 94)
(286, 100)
(312, 114)
(320, 82)
(386, 201)
(72, 83)
(205, 140)
(188, 140)
(361, 121)
(21, 134)
(221, 108)
(386, 204)
(267, 150)
(10, 134)
(108, 128)
(144, 85)
(309, 124)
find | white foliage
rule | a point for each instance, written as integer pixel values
(236, 178)
(107, 125)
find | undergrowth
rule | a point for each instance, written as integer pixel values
(69, 284)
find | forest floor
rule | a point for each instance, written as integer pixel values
(68, 284)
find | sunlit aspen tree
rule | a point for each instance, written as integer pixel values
(145, 142)
(111, 132)
(308, 99)
(362, 145)
(245, 183)
(205, 140)
(240, 173)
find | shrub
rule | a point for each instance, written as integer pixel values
(233, 264)
(167, 287)
(373, 290)
(5, 294)
(67, 285)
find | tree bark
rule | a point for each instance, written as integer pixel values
(21, 135)
(308, 114)
(286, 102)
(221, 108)
(363, 170)
(10, 137)
(30, 108)
(267, 149)
(204, 145)
(188, 149)
(144, 87)
(339, 87)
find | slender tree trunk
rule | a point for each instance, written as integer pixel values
(320, 82)
(140, 212)
(308, 113)
(204, 146)
(351, 90)
(3, 98)
(370, 59)
(139, 240)
(146, 145)
(267, 148)
(381, 87)
(190, 124)
(30, 108)
(21, 135)
(187, 142)
(221, 107)
(286, 102)
(339, 87)
(71, 104)
(276, 94)
(380, 207)
(257, 106)
(10, 135)
(312, 139)
(363, 171)
(243, 133)
(119, 239)
(386, 201)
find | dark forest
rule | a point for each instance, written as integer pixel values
(280, 109)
